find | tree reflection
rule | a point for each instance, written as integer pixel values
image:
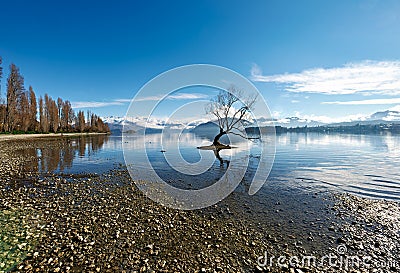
(59, 154)
(220, 159)
(30, 154)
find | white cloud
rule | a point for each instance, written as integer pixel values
(123, 100)
(396, 108)
(365, 102)
(95, 104)
(179, 96)
(367, 77)
(98, 104)
(294, 101)
(255, 70)
(276, 114)
(327, 120)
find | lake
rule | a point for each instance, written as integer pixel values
(365, 165)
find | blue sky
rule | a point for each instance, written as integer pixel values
(315, 59)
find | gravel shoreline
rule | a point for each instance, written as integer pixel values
(102, 223)
(11, 137)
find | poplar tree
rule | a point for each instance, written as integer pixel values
(66, 115)
(59, 107)
(44, 124)
(2, 106)
(53, 115)
(23, 112)
(20, 111)
(32, 110)
(81, 121)
(15, 88)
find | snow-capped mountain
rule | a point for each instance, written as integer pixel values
(386, 115)
(296, 122)
(155, 125)
(383, 117)
(138, 124)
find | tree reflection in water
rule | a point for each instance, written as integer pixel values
(220, 159)
(59, 154)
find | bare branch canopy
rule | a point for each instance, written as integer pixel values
(231, 112)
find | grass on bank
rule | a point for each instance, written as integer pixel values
(17, 238)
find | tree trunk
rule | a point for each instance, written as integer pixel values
(217, 137)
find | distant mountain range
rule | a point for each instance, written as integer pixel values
(135, 125)
(385, 117)
(292, 122)
(139, 124)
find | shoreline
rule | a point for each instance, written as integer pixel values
(5, 137)
(103, 223)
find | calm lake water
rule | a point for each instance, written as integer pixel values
(366, 165)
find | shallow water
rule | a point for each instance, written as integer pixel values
(366, 165)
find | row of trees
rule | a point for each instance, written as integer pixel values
(20, 111)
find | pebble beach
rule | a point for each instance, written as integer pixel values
(89, 222)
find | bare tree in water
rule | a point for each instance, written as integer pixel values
(231, 113)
